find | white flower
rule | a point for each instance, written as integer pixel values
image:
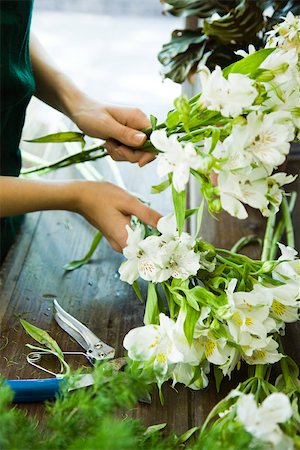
(185, 373)
(243, 54)
(262, 421)
(268, 137)
(229, 96)
(140, 259)
(176, 158)
(242, 187)
(154, 343)
(267, 354)
(286, 33)
(176, 261)
(275, 182)
(290, 266)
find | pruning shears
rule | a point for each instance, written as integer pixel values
(37, 390)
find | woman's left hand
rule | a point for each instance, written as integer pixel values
(120, 127)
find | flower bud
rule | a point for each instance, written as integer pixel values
(265, 76)
(215, 205)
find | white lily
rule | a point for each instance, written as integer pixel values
(229, 96)
(185, 374)
(177, 261)
(154, 343)
(262, 421)
(140, 256)
(290, 266)
(267, 354)
(176, 158)
(286, 33)
(268, 137)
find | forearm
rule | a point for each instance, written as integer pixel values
(53, 86)
(19, 196)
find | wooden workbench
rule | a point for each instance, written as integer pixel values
(32, 275)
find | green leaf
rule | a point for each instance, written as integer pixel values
(199, 218)
(152, 311)
(64, 136)
(218, 377)
(42, 337)
(200, 8)
(190, 321)
(192, 301)
(184, 108)
(80, 262)
(186, 436)
(172, 119)
(153, 121)
(181, 55)
(179, 207)
(240, 24)
(248, 65)
(190, 212)
(161, 187)
(137, 290)
(154, 428)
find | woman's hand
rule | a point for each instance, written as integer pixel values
(119, 126)
(109, 209)
(104, 205)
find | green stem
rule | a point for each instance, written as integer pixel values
(267, 243)
(289, 382)
(281, 227)
(76, 158)
(243, 242)
(288, 222)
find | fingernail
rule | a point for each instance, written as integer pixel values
(139, 137)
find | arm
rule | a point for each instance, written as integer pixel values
(120, 126)
(104, 205)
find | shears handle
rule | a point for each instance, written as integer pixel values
(30, 391)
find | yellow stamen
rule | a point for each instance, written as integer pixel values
(237, 319)
(161, 358)
(209, 348)
(248, 321)
(278, 308)
(154, 343)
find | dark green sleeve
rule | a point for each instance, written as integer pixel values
(17, 88)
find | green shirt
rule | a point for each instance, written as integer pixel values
(17, 87)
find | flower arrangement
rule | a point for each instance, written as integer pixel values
(221, 307)
(209, 307)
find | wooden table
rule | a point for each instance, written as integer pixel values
(32, 275)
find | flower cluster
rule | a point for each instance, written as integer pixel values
(217, 316)
(262, 421)
(157, 258)
(239, 127)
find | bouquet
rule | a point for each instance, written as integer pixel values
(209, 306)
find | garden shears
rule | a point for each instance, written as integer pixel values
(36, 390)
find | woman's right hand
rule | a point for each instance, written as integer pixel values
(109, 209)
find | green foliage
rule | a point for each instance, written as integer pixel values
(50, 345)
(80, 262)
(216, 39)
(228, 435)
(84, 418)
(64, 136)
(152, 307)
(179, 207)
